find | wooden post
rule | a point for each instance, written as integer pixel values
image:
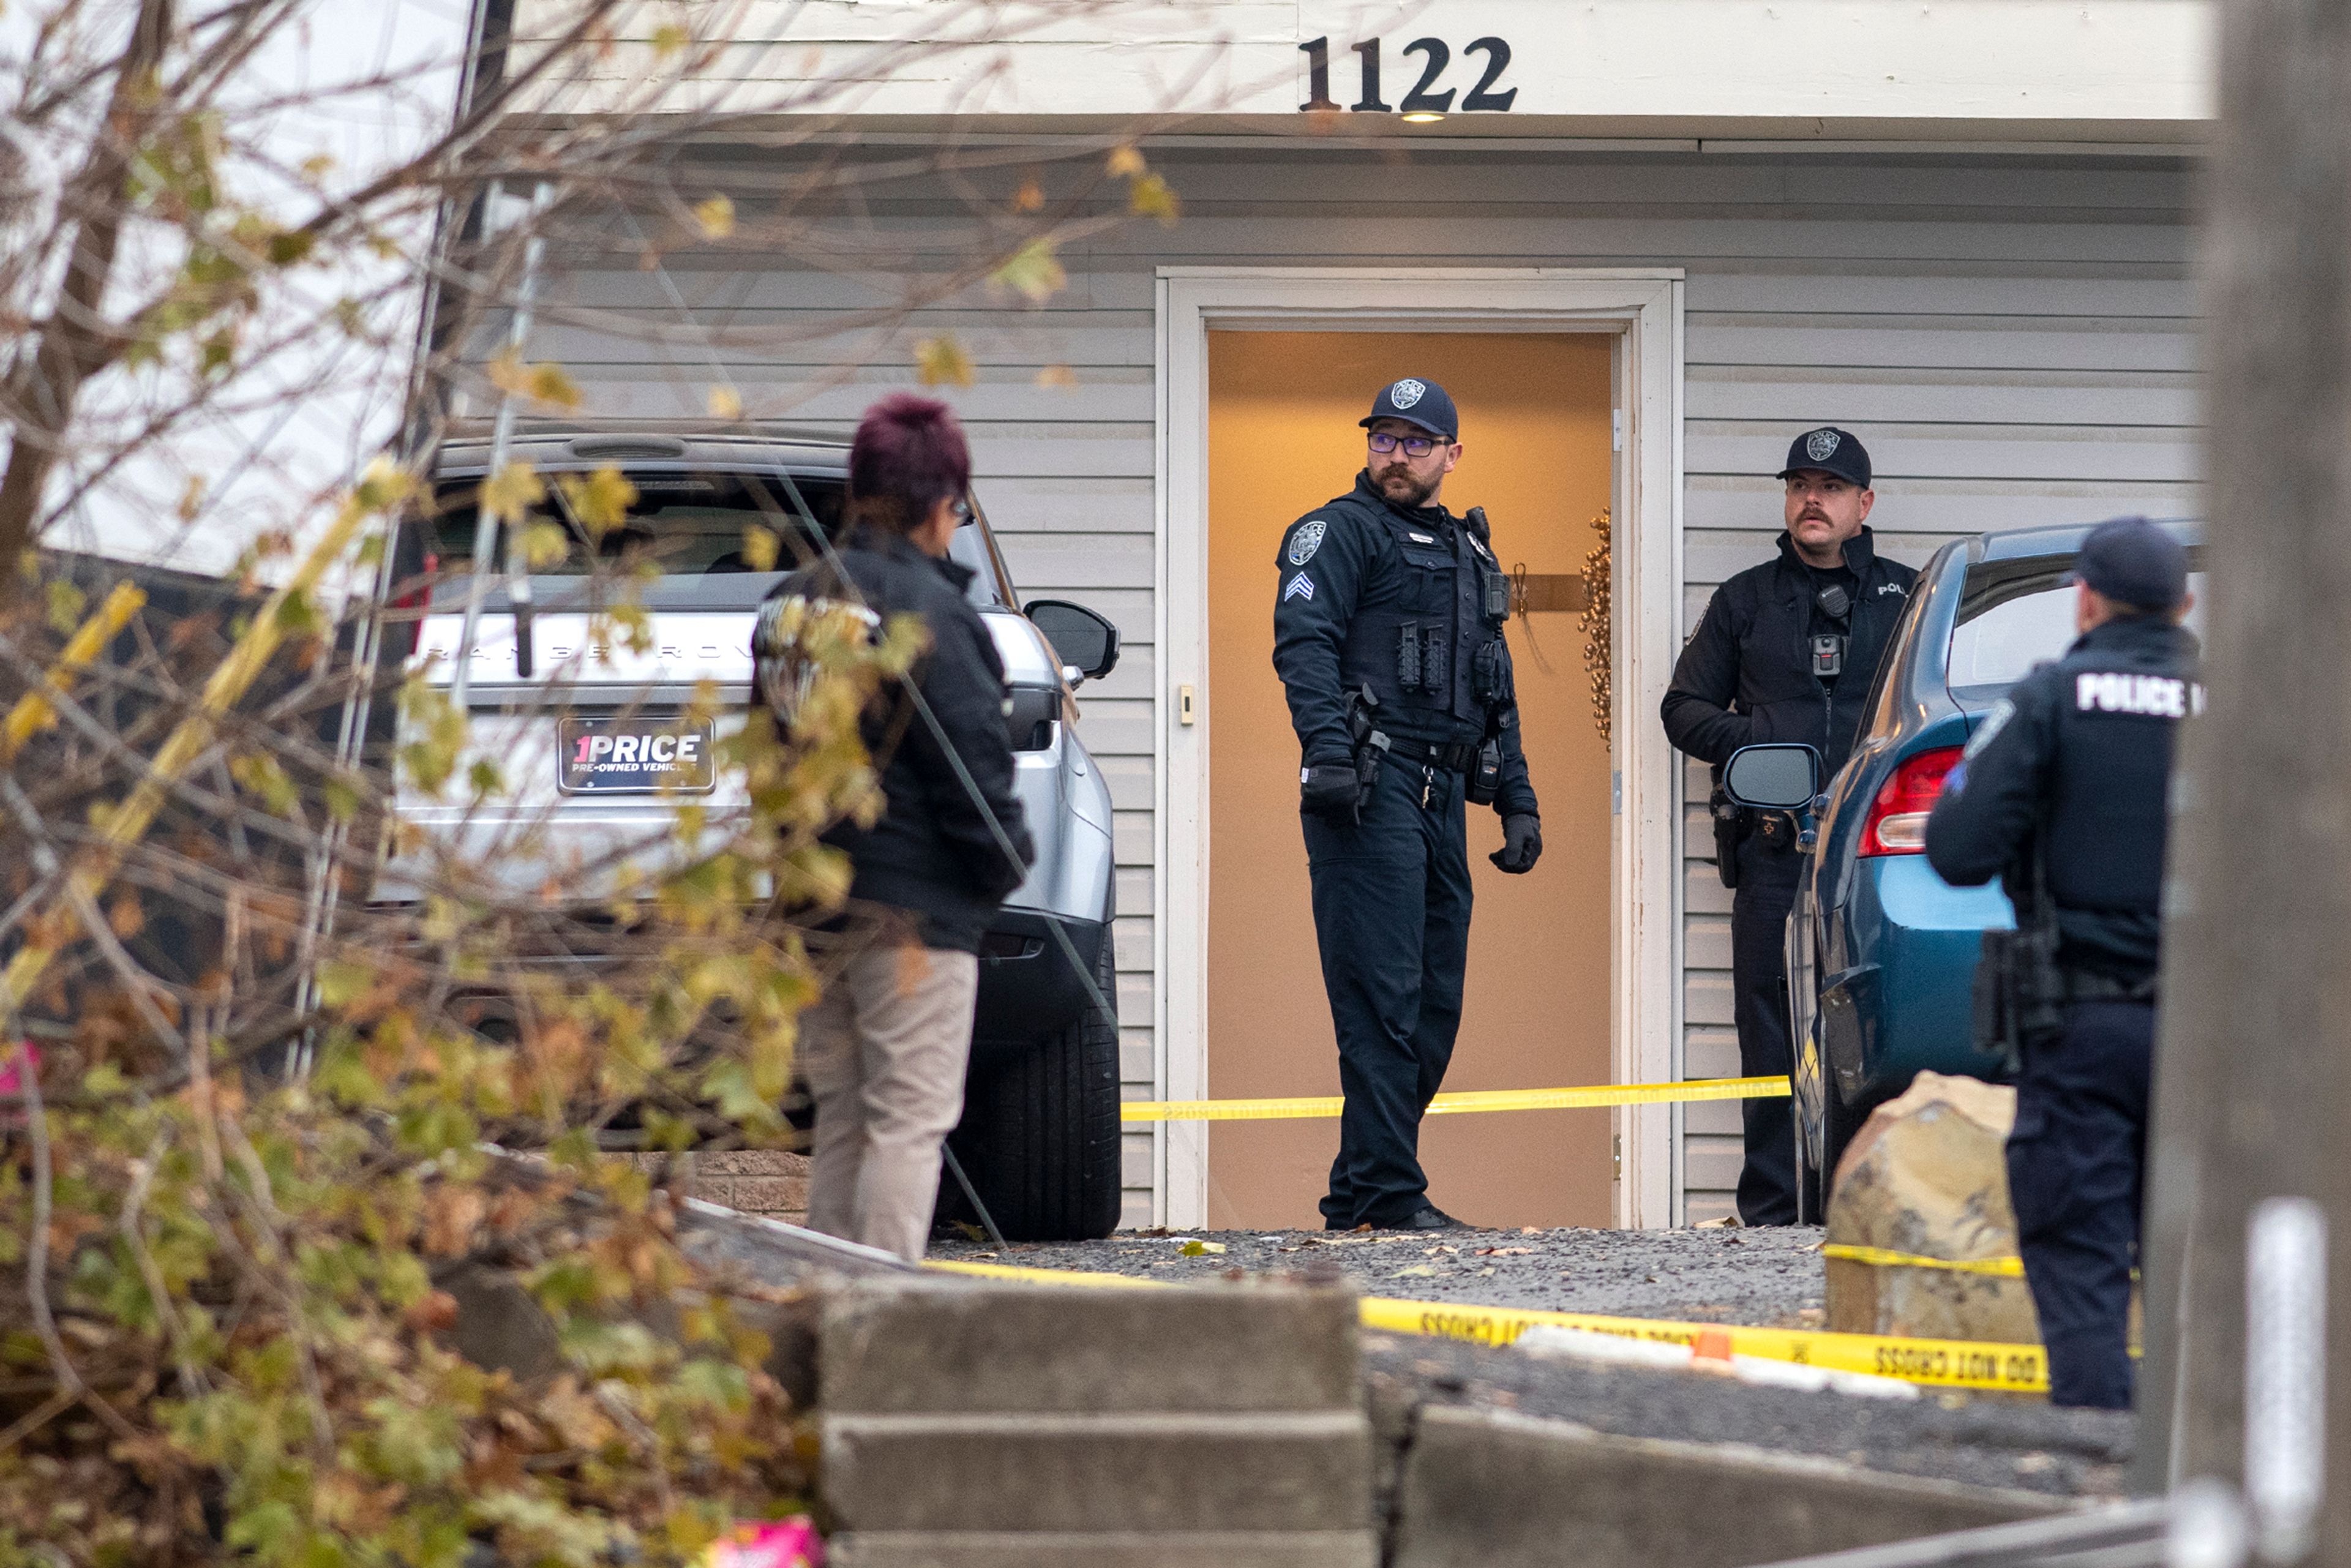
(2254, 1084)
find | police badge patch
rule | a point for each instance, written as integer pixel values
(1821, 445)
(1993, 723)
(1405, 392)
(1305, 539)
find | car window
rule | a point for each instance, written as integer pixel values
(687, 525)
(2016, 614)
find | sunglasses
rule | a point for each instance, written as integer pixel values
(1414, 445)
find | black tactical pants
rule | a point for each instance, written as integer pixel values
(2076, 1161)
(1768, 868)
(1392, 919)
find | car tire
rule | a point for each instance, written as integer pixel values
(1841, 1122)
(1040, 1137)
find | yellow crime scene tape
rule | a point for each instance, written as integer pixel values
(1879, 1257)
(1463, 1101)
(1934, 1363)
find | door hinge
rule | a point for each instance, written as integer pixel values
(1615, 430)
(1616, 1157)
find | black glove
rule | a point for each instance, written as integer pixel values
(1522, 843)
(1328, 789)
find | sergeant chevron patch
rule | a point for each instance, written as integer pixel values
(1301, 587)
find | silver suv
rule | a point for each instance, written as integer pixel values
(588, 742)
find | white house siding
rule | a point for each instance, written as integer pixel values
(2011, 337)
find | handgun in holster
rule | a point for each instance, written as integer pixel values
(1730, 829)
(2019, 998)
(1370, 743)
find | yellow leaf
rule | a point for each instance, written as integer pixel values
(513, 490)
(1032, 272)
(1152, 198)
(1029, 198)
(942, 362)
(1057, 376)
(726, 402)
(717, 216)
(191, 498)
(759, 547)
(1125, 162)
(545, 545)
(601, 501)
(668, 40)
(540, 383)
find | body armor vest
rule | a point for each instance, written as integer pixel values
(1426, 633)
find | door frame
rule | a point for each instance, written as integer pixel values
(1641, 307)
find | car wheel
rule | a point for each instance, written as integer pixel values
(1040, 1137)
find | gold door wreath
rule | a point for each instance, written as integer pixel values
(1598, 635)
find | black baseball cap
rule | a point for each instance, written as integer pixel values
(2133, 562)
(1417, 401)
(1831, 451)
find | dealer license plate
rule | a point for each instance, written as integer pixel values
(636, 756)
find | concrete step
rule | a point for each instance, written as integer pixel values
(950, 1346)
(1488, 1488)
(1264, 1471)
(1107, 1549)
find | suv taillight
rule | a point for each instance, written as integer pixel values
(1897, 817)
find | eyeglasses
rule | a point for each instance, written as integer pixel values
(1414, 445)
(961, 510)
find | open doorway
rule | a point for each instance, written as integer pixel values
(1283, 438)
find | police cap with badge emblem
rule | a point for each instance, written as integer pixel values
(1417, 401)
(1829, 450)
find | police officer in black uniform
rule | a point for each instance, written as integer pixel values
(1785, 653)
(1388, 640)
(2062, 794)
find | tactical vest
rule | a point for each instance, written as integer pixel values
(1426, 632)
(2111, 775)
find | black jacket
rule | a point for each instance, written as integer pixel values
(1407, 601)
(2081, 749)
(933, 852)
(1746, 676)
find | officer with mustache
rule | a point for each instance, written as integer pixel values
(1388, 640)
(1785, 653)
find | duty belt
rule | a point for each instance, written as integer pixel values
(1459, 757)
(2087, 985)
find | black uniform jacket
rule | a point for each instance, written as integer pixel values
(932, 852)
(1747, 675)
(2079, 750)
(1363, 579)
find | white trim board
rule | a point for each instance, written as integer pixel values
(1641, 308)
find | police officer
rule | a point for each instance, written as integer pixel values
(2061, 793)
(1784, 652)
(1388, 640)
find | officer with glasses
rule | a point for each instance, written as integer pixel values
(1388, 640)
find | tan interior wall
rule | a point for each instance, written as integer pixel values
(1282, 438)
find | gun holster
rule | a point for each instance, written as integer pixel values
(1484, 785)
(1371, 745)
(1730, 831)
(2020, 992)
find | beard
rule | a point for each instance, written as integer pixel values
(1403, 488)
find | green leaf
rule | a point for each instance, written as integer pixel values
(1033, 272)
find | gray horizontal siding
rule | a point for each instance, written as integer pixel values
(2014, 340)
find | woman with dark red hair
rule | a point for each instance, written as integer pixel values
(885, 1049)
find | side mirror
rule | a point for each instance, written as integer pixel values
(1777, 777)
(1081, 639)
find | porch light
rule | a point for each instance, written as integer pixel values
(1423, 118)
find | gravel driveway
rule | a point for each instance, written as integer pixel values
(1771, 1277)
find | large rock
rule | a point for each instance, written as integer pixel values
(1927, 1177)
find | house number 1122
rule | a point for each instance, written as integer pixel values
(1424, 99)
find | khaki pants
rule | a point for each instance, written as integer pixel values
(884, 1052)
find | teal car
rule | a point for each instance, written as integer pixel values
(1881, 951)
